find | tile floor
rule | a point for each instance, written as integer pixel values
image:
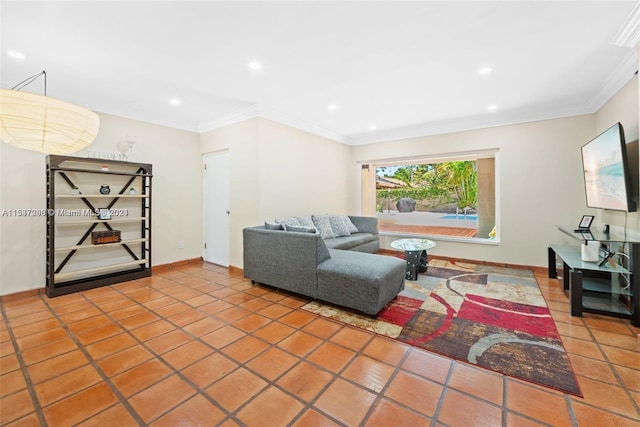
(196, 345)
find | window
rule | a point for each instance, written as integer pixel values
(452, 196)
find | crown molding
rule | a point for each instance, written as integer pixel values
(302, 125)
(459, 125)
(616, 81)
(256, 110)
(237, 116)
(629, 34)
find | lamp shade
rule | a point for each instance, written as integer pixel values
(45, 124)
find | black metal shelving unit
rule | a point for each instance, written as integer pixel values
(74, 261)
(598, 289)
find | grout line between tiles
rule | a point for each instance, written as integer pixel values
(163, 361)
(94, 364)
(25, 372)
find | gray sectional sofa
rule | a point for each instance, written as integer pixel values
(340, 270)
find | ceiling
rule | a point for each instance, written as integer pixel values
(405, 68)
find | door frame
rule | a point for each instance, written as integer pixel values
(206, 156)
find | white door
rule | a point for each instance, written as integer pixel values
(216, 208)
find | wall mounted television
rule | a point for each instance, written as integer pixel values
(607, 177)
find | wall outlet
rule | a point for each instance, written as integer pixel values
(180, 244)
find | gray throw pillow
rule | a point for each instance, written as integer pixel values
(288, 221)
(338, 226)
(306, 221)
(350, 225)
(299, 228)
(323, 226)
(273, 226)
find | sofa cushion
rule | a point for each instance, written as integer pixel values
(273, 226)
(349, 242)
(323, 225)
(306, 221)
(288, 221)
(338, 226)
(299, 228)
(350, 225)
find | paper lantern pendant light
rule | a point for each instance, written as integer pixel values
(45, 124)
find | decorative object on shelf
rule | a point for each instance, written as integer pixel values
(126, 147)
(589, 250)
(105, 168)
(104, 213)
(75, 190)
(105, 156)
(102, 237)
(44, 124)
(132, 191)
(104, 189)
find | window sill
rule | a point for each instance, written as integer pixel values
(441, 238)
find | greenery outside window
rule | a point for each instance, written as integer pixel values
(452, 196)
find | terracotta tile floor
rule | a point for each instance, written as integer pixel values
(197, 345)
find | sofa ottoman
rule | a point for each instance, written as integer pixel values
(362, 281)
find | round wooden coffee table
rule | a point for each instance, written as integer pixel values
(415, 253)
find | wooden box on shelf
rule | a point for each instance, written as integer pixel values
(102, 237)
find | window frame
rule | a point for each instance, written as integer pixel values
(438, 158)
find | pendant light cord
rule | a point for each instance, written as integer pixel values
(30, 80)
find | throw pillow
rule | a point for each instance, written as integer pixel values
(273, 226)
(288, 221)
(350, 225)
(323, 226)
(306, 221)
(300, 228)
(338, 226)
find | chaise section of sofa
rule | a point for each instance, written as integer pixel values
(361, 281)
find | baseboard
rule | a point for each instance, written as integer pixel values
(236, 271)
(22, 294)
(175, 264)
(41, 291)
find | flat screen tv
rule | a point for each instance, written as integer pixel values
(606, 171)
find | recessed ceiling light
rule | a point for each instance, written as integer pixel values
(492, 107)
(485, 70)
(16, 55)
(373, 127)
(175, 101)
(332, 107)
(255, 65)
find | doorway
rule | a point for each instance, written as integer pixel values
(216, 208)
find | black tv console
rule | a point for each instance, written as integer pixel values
(611, 289)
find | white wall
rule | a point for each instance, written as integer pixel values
(278, 171)
(176, 203)
(539, 179)
(301, 174)
(623, 108)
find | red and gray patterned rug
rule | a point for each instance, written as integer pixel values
(492, 317)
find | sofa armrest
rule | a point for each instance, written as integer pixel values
(365, 224)
(284, 259)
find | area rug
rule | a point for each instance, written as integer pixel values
(491, 317)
